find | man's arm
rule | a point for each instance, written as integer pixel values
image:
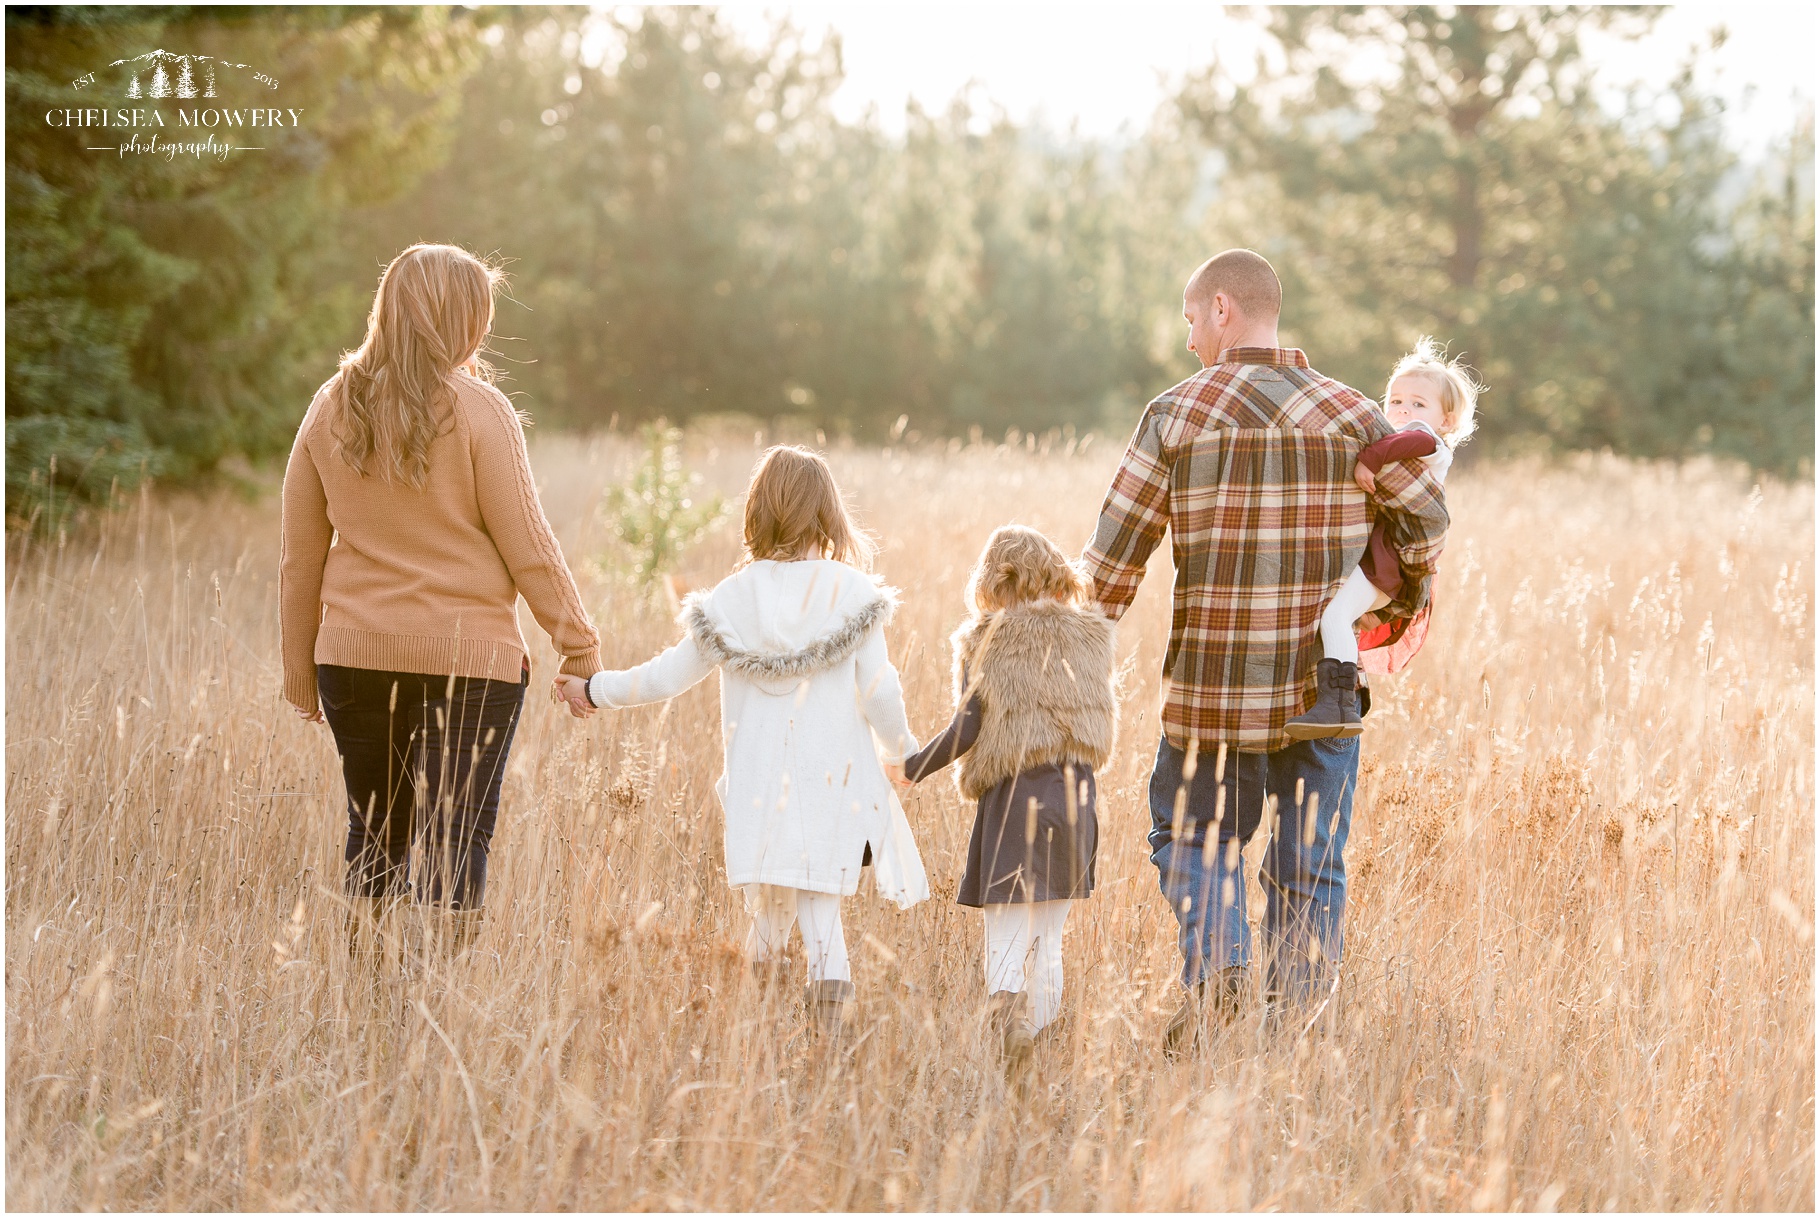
(1132, 520)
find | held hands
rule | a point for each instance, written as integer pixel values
(895, 772)
(1368, 481)
(574, 692)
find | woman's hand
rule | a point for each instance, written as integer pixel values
(310, 716)
(895, 772)
(1368, 481)
(574, 691)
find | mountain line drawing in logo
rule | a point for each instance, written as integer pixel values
(173, 75)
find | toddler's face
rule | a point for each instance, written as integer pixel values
(1415, 399)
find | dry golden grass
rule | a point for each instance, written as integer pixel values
(1579, 948)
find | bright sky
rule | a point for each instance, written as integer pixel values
(1104, 65)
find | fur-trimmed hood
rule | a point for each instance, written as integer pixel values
(775, 623)
(1043, 673)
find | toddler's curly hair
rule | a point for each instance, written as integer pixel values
(1459, 388)
(1019, 565)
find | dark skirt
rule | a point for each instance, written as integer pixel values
(1380, 563)
(1029, 844)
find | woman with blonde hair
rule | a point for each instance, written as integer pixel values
(797, 633)
(411, 525)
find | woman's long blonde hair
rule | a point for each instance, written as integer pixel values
(430, 317)
(795, 510)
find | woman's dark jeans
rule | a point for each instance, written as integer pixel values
(423, 756)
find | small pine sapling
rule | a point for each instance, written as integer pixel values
(657, 515)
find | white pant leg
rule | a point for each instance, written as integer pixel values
(1045, 980)
(1007, 946)
(1012, 931)
(824, 941)
(773, 911)
(1356, 597)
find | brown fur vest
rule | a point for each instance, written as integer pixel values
(1043, 673)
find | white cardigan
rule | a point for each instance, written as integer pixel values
(805, 685)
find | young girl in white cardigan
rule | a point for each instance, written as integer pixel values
(798, 634)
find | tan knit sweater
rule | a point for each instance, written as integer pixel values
(378, 575)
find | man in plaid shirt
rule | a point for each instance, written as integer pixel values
(1248, 464)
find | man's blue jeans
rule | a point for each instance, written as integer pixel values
(1202, 816)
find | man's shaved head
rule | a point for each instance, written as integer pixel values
(1246, 278)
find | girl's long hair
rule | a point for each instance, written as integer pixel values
(430, 318)
(795, 510)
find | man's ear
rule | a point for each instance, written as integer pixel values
(1221, 308)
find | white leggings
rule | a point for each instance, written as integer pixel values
(1011, 933)
(776, 909)
(1356, 597)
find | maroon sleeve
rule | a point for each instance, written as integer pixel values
(1398, 447)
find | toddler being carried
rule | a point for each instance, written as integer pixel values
(1431, 401)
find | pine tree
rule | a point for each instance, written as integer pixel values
(1479, 190)
(161, 83)
(133, 89)
(174, 345)
(186, 82)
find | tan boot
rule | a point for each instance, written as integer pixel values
(1226, 993)
(438, 934)
(366, 933)
(1008, 1017)
(829, 1003)
(459, 929)
(769, 976)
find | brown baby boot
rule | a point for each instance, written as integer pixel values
(1336, 706)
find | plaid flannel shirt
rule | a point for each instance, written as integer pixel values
(1249, 466)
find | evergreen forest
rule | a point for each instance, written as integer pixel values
(690, 230)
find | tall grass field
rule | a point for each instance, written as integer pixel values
(1579, 966)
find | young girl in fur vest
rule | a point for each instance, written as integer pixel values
(1033, 681)
(798, 634)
